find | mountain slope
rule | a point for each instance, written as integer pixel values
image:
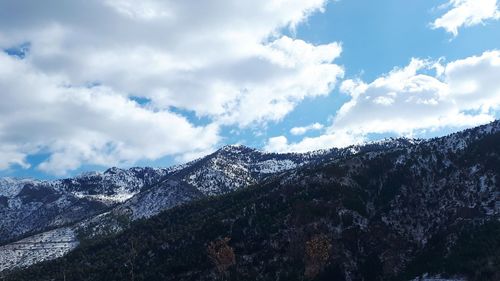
(102, 204)
(32, 206)
(431, 207)
(163, 196)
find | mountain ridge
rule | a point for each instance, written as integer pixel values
(213, 169)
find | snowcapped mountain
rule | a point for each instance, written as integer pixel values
(37, 248)
(113, 185)
(30, 206)
(393, 210)
(9, 187)
(100, 204)
(148, 203)
(236, 166)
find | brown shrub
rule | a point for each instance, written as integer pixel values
(221, 254)
(317, 253)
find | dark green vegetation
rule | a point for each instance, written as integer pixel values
(388, 215)
(476, 254)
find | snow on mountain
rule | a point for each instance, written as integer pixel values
(114, 185)
(30, 206)
(10, 187)
(164, 196)
(46, 246)
(426, 277)
(275, 166)
(144, 205)
(46, 203)
(385, 201)
(236, 166)
(104, 203)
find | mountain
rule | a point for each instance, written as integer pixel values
(235, 166)
(101, 204)
(398, 210)
(30, 206)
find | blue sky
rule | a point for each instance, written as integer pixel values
(145, 85)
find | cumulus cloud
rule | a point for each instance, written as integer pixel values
(299, 70)
(215, 58)
(464, 13)
(421, 97)
(69, 93)
(93, 125)
(297, 131)
(461, 93)
(336, 139)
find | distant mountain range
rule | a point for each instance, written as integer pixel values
(389, 210)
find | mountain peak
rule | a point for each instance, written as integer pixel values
(235, 148)
(113, 170)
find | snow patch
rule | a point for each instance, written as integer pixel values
(42, 247)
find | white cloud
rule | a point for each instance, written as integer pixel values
(462, 95)
(464, 13)
(226, 61)
(337, 139)
(411, 101)
(293, 70)
(78, 125)
(10, 155)
(302, 130)
(215, 58)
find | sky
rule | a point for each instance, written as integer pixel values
(90, 84)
